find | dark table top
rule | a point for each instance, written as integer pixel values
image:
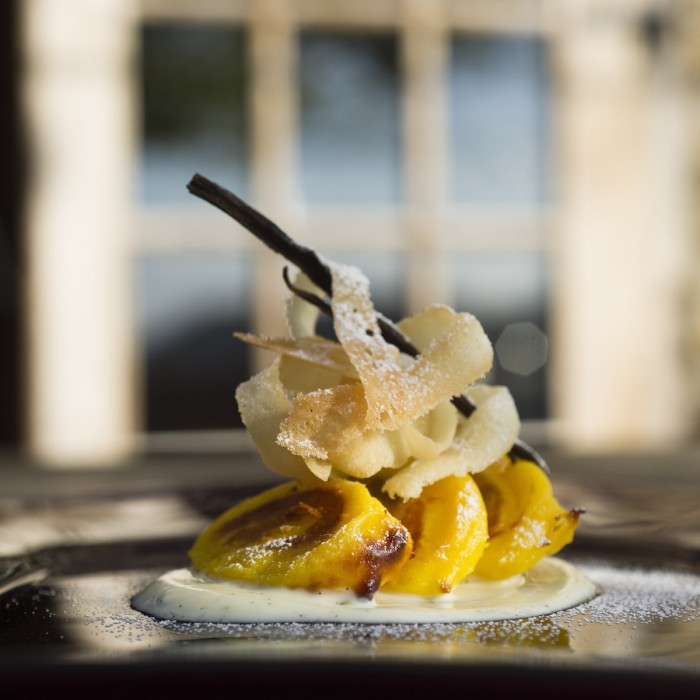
(75, 545)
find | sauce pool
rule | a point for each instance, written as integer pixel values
(188, 596)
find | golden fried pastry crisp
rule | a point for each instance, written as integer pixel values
(357, 406)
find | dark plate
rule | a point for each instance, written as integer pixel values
(77, 547)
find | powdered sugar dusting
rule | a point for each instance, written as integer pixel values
(633, 595)
(638, 613)
(647, 615)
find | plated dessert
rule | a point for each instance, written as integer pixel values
(408, 495)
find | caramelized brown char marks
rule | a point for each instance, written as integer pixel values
(314, 514)
(411, 515)
(378, 556)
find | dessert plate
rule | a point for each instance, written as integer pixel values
(74, 554)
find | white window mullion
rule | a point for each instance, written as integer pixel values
(78, 101)
(274, 120)
(425, 63)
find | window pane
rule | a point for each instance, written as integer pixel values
(194, 116)
(499, 121)
(350, 118)
(188, 309)
(508, 294)
(387, 278)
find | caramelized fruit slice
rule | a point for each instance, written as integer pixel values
(329, 536)
(449, 529)
(525, 521)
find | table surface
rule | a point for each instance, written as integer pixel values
(75, 545)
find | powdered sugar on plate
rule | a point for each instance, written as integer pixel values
(636, 595)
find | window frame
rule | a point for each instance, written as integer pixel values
(425, 228)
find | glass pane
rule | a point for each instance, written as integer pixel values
(499, 121)
(188, 309)
(193, 82)
(387, 277)
(508, 294)
(350, 118)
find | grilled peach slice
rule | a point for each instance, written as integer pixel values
(525, 521)
(449, 529)
(322, 535)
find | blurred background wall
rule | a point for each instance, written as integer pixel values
(532, 162)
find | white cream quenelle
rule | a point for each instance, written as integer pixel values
(183, 595)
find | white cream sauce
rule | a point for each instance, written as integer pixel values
(188, 596)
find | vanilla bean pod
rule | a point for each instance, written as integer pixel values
(311, 264)
(262, 228)
(321, 304)
(390, 332)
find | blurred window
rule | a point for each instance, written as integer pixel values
(350, 118)
(500, 108)
(414, 137)
(194, 119)
(193, 105)
(189, 306)
(350, 146)
(508, 293)
(499, 114)
(407, 136)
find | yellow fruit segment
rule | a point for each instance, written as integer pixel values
(449, 529)
(525, 521)
(330, 535)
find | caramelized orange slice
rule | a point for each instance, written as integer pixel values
(449, 529)
(525, 521)
(331, 535)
